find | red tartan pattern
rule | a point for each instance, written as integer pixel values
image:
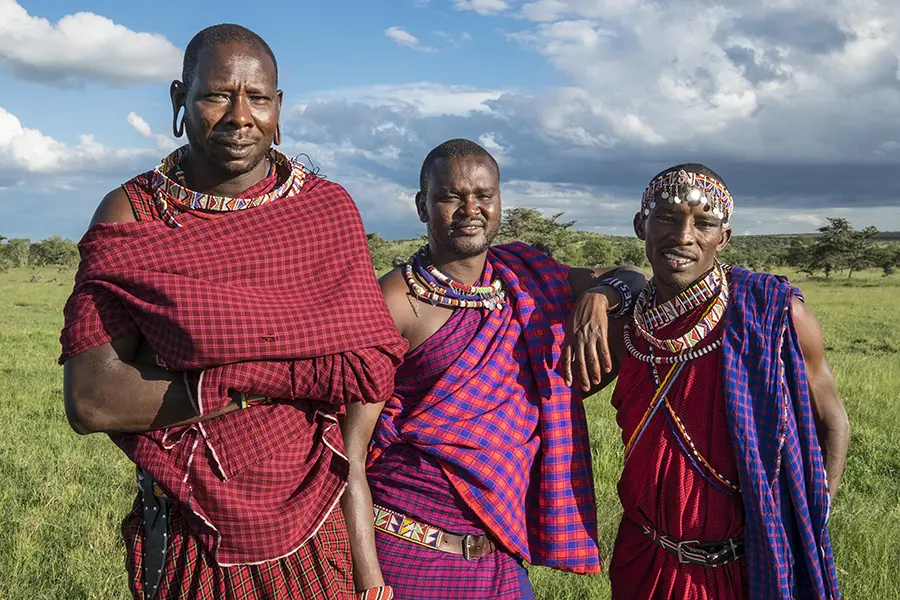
(278, 301)
(320, 569)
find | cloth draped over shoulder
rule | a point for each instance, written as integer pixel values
(773, 434)
(511, 437)
(280, 301)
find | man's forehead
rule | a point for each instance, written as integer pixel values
(222, 59)
(462, 166)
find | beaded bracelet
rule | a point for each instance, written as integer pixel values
(382, 592)
(620, 286)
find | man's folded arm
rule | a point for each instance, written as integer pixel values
(106, 390)
(364, 375)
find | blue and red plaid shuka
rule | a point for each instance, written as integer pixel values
(511, 437)
(773, 434)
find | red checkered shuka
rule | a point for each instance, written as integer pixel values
(510, 435)
(278, 300)
(320, 570)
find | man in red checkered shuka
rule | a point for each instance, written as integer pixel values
(224, 314)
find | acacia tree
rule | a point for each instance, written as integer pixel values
(529, 225)
(841, 247)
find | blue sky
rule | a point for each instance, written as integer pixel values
(794, 102)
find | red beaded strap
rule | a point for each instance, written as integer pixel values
(382, 592)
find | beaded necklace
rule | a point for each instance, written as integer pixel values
(167, 184)
(653, 317)
(445, 291)
(698, 461)
(707, 323)
(667, 360)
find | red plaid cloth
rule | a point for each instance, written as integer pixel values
(279, 301)
(321, 569)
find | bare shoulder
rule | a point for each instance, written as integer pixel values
(395, 292)
(809, 331)
(114, 208)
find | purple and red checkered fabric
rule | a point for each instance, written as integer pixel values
(420, 573)
(320, 570)
(278, 300)
(510, 435)
(780, 463)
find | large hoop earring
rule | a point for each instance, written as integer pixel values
(277, 140)
(177, 128)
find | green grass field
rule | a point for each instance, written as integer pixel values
(62, 496)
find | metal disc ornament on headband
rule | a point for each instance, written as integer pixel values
(676, 187)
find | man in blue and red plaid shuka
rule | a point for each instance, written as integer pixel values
(480, 460)
(735, 436)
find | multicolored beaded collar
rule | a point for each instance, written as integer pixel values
(714, 286)
(682, 186)
(168, 188)
(653, 317)
(444, 290)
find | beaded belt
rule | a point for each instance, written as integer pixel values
(694, 552)
(401, 526)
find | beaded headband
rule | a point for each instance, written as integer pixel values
(683, 186)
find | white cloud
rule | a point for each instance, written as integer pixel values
(405, 38)
(81, 47)
(139, 124)
(574, 153)
(426, 99)
(494, 145)
(27, 155)
(790, 79)
(794, 102)
(482, 7)
(163, 142)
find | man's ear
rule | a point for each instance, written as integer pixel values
(724, 239)
(178, 96)
(639, 227)
(421, 209)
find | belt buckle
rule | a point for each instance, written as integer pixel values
(712, 558)
(679, 550)
(467, 551)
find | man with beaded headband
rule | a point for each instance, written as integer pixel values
(199, 337)
(735, 435)
(480, 460)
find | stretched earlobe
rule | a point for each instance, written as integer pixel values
(277, 140)
(177, 127)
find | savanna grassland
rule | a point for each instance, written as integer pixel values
(62, 496)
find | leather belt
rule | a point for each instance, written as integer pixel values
(423, 534)
(694, 552)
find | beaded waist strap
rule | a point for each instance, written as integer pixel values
(401, 526)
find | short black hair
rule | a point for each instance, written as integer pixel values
(216, 35)
(698, 168)
(452, 149)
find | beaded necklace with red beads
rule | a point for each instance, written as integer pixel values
(428, 283)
